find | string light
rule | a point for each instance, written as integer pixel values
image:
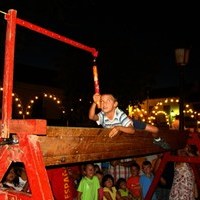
(158, 109)
(48, 96)
(20, 108)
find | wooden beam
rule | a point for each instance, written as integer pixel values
(64, 145)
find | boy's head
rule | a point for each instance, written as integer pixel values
(88, 170)
(147, 167)
(135, 169)
(108, 102)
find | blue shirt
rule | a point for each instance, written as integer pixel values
(145, 183)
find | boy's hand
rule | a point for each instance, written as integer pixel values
(114, 132)
(96, 98)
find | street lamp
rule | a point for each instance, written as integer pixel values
(182, 57)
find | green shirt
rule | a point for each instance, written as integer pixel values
(124, 193)
(89, 188)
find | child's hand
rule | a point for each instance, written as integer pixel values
(114, 132)
(96, 98)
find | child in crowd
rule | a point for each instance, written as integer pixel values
(23, 179)
(99, 175)
(110, 191)
(146, 178)
(122, 189)
(111, 116)
(11, 180)
(96, 168)
(89, 184)
(133, 182)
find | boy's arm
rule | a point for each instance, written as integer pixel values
(127, 163)
(79, 195)
(130, 130)
(92, 115)
(96, 100)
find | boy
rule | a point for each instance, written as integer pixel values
(133, 182)
(146, 179)
(89, 185)
(111, 116)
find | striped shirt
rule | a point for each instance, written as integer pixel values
(120, 119)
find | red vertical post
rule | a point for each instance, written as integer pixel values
(8, 74)
(156, 179)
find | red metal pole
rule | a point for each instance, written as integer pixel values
(157, 176)
(8, 74)
(54, 35)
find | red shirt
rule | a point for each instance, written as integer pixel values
(133, 184)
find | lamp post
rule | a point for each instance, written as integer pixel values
(182, 57)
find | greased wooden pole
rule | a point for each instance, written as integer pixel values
(96, 80)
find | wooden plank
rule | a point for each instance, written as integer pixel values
(65, 145)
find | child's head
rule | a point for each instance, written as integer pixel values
(121, 183)
(88, 170)
(99, 175)
(108, 102)
(96, 168)
(108, 181)
(135, 169)
(147, 167)
(11, 176)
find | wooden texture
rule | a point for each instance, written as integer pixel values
(66, 145)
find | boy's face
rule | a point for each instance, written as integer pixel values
(89, 171)
(108, 103)
(134, 171)
(147, 169)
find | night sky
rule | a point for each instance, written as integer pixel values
(135, 42)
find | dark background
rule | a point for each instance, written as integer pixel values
(135, 41)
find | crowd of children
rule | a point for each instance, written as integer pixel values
(96, 185)
(89, 181)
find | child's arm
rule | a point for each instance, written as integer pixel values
(96, 100)
(79, 195)
(115, 130)
(119, 197)
(107, 195)
(127, 163)
(92, 115)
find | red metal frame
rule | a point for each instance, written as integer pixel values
(168, 156)
(28, 150)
